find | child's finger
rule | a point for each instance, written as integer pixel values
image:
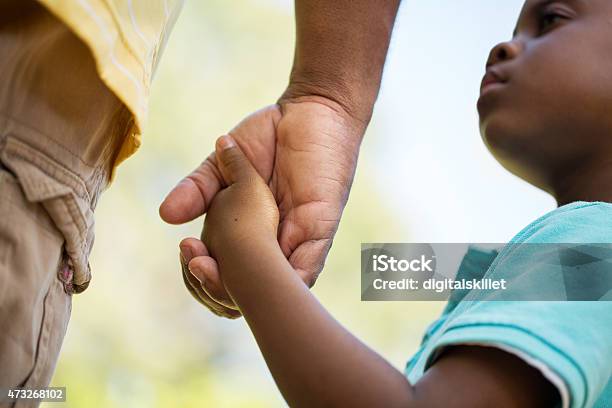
(206, 270)
(232, 162)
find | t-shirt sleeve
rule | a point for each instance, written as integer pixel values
(557, 313)
(569, 342)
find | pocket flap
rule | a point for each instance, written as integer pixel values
(34, 171)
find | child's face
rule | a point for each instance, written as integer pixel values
(552, 110)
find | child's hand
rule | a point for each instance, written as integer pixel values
(243, 217)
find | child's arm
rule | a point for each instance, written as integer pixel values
(313, 359)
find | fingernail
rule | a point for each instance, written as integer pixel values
(197, 273)
(186, 253)
(225, 142)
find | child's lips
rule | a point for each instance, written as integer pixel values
(490, 79)
(490, 82)
(489, 86)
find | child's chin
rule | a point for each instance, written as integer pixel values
(498, 133)
(513, 151)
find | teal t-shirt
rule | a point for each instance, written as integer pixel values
(570, 342)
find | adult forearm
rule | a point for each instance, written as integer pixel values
(341, 46)
(313, 359)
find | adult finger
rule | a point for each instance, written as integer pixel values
(207, 272)
(191, 197)
(193, 286)
(308, 259)
(191, 248)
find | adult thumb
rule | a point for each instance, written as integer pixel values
(232, 162)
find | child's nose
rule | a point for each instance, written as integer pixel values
(504, 51)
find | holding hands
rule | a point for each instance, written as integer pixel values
(242, 220)
(304, 152)
(305, 147)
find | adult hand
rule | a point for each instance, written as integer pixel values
(306, 149)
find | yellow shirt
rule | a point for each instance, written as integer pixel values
(126, 38)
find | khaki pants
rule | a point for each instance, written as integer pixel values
(60, 131)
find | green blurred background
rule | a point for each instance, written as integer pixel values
(137, 338)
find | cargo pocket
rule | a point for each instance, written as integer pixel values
(65, 198)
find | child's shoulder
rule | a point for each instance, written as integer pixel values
(576, 222)
(549, 335)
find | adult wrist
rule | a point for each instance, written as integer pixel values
(349, 98)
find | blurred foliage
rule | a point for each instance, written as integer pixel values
(137, 338)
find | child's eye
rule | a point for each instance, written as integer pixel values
(549, 19)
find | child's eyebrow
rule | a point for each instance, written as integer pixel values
(541, 4)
